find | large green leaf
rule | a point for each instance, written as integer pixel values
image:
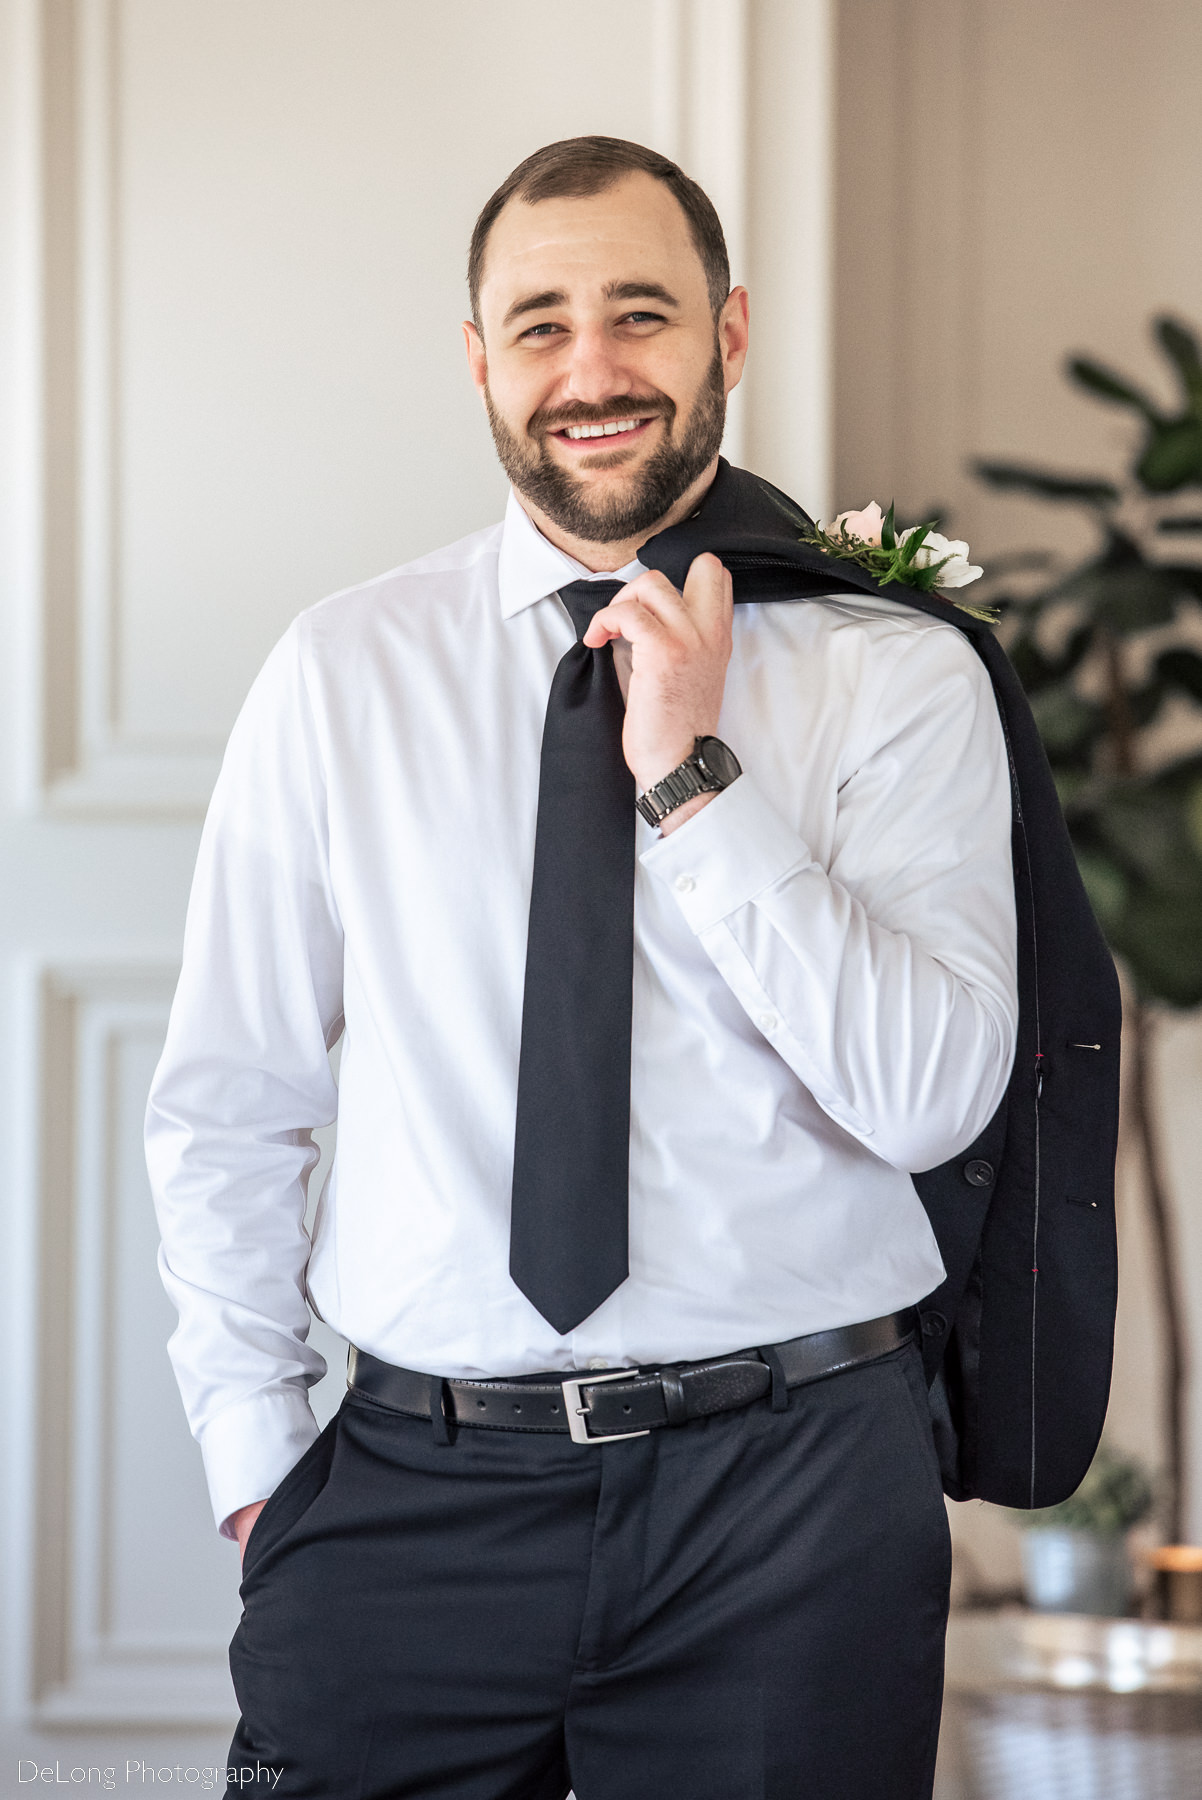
(1147, 829)
(1127, 596)
(1108, 386)
(1160, 937)
(1181, 669)
(1067, 723)
(1107, 886)
(1172, 457)
(1047, 484)
(1186, 577)
(1181, 347)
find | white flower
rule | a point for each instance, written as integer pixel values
(957, 571)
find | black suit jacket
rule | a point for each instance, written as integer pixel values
(1018, 1340)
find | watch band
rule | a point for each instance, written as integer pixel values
(712, 767)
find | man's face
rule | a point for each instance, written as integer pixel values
(602, 368)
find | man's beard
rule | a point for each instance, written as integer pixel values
(658, 485)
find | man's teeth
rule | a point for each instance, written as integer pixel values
(583, 431)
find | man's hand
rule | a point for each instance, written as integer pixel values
(679, 651)
(242, 1521)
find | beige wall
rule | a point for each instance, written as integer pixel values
(1016, 180)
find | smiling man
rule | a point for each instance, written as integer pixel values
(664, 937)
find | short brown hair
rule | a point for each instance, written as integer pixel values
(577, 167)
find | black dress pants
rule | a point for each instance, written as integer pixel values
(747, 1607)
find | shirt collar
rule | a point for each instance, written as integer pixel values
(530, 567)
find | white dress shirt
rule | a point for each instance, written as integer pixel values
(824, 995)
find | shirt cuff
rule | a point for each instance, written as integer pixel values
(726, 854)
(249, 1447)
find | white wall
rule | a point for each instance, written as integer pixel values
(232, 242)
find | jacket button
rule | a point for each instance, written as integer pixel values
(933, 1324)
(978, 1173)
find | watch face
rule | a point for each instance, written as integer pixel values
(718, 760)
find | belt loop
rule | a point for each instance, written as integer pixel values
(780, 1392)
(438, 1417)
(675, 1404)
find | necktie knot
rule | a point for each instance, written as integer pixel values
(584, 598)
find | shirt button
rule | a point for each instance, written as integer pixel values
(684, 884)
(597, 1362)
(767, 1021)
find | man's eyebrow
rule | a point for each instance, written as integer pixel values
(640, 290)
(613, 290)
(534, 303)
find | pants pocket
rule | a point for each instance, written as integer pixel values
(288, 1503)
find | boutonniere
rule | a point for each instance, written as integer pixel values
(919, 557)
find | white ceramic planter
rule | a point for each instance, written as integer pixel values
(1076, 1572)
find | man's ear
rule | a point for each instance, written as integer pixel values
(477, 362)
(733, 329)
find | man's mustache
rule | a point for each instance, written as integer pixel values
(598, 412)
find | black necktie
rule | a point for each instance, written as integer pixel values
(568, 1232)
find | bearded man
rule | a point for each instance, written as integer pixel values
(621, 1094)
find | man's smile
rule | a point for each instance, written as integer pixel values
(615, 433)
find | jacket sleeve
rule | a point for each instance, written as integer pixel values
(243, 1081)
(885, 979)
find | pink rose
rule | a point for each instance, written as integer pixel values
(865, 526)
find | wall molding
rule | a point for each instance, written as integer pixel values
(85, 758)
(701, 70)
(87, 1667)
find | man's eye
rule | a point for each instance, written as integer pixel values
(543, 330)
(644, 318)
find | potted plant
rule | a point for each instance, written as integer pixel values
(1075, 1556)
(1108, 651)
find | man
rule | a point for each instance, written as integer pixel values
(448, 1593)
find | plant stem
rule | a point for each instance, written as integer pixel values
(1118, 707)
(1122, 737)
(1156, 1192)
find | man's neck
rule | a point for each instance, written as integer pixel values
(608, 558)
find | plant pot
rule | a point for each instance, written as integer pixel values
(1178, 1582)
(1076, 1572)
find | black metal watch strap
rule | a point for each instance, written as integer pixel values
(685, 782)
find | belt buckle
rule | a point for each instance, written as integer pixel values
(577, 1415)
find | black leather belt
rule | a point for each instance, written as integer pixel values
(618, 1403)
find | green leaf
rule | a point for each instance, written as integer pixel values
(1067, 723)
(1160, 936)
(1145, 702)
(1186, 578)
(1070, 785)
(914, 543)
(1193, 815)
(1146, 828)
(1108, 386)
(1181, 347)
(1127, 597)
(1172, 458)
(1106, 885)
(889, 530)
(1181, 669)
(1046, 484)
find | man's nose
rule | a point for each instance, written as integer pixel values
(594, 371)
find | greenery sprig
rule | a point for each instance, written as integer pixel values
(897, 557)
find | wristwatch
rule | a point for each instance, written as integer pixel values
(712, 767)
